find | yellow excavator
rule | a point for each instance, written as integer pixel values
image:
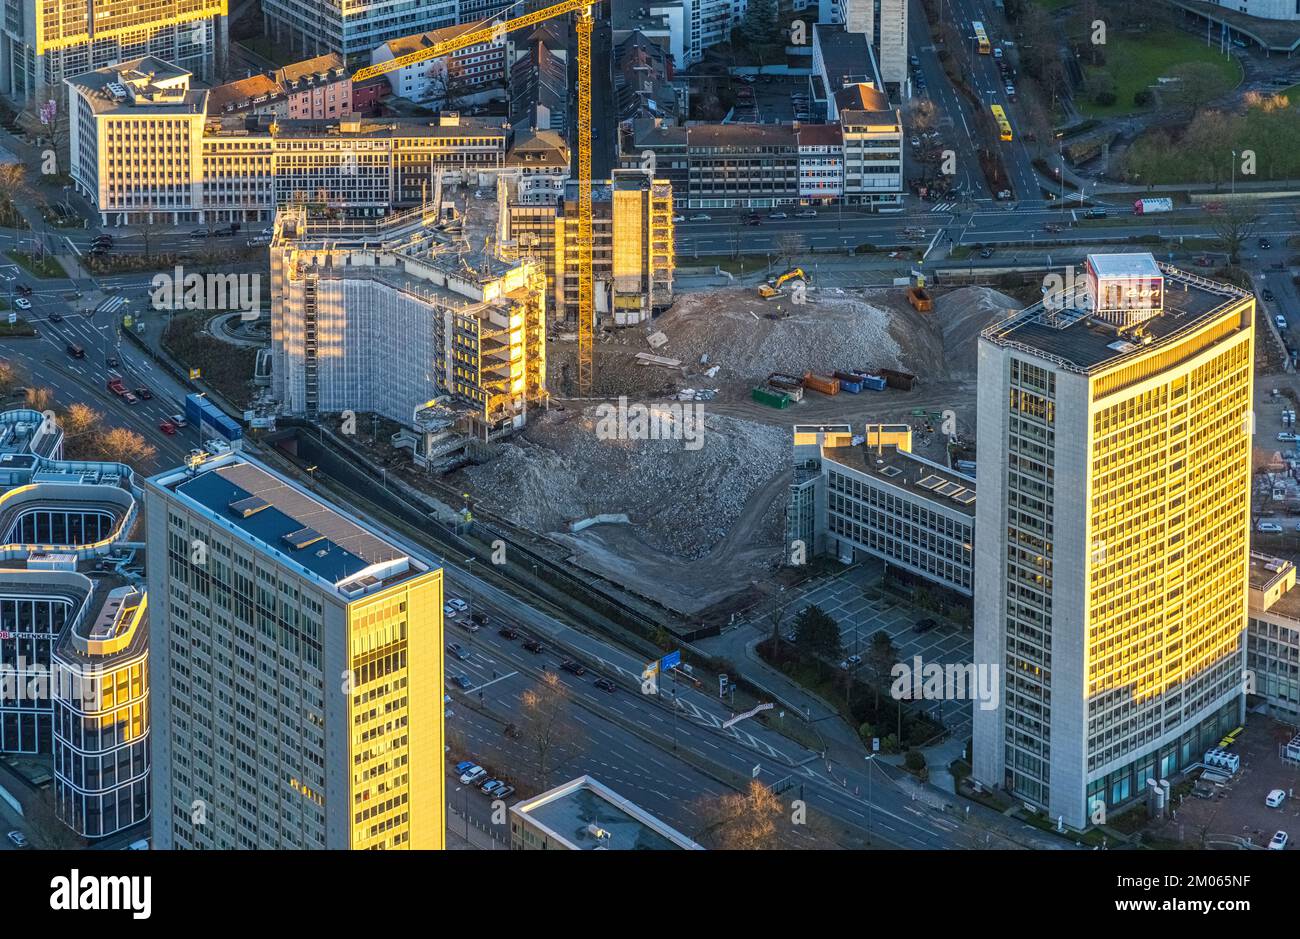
(773, 287)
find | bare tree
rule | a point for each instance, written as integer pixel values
(38, 399)
(791, 245)
(125, 446)
(1233, 225)
(149, 228)
(545, 721)
(8, 378)
(743, 821)
(48, 830)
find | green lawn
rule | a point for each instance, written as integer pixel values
(1135, 62)
(1292, 94)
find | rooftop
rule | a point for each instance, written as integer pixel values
(847, 57)
(338, 550)
(740, 135)
(920, 477)
(587, 815)
(1062, 328)
(448, 125)
(408, 44)
(144, 83)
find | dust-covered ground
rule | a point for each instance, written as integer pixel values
(706, 523)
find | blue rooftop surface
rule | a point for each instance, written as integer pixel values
(270, 525)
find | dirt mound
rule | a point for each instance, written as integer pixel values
(961, 315)
(678, 500)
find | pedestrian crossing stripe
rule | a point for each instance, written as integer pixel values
(111, 304)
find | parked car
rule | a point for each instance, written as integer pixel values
(460, 605)
(458, 650)
(17, 838)
(577, 668)
(464, 766)
(508, 632)
(448, 610)
(604, 684)
(777, 215)
(1279, 841)
(915, 141)
(533, 646)
(168, 428)
(504, 792)
(1095, 213)
(701, 217)
(807, 213)
(679, 218)
(1272, 528)
(22, 303)
(200, 233)
(997, 52)
(472, 775)
(1275, 798)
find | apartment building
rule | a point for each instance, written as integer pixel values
(314, 27)
(586, 815)
(632, 246)
(821, 163)
(315, 89)
(296, 654)
(643, 140)
(871, 134)
(742, 165)
(1112, 542)
(688, 26)
(1273, 636)
(143, 145)
(539, 83)
(43, 44)
(869, 495)
(390, 316)
(643, 72)
(473, 75)
(882, 23)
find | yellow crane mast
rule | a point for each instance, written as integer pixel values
(493, 32)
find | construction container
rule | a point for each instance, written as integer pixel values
(900, 380)
(793, 392)
(873, 383)
(965, 466)
(919, 299)
(849, 382)
(822, 383)
(773, 399)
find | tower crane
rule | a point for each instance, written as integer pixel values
(495, 32)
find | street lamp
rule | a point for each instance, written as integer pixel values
(1234, 172)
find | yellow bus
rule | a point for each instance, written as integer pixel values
(981, 37)
(1004, 125)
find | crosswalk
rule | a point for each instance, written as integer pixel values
(944, 207)
(111, 305)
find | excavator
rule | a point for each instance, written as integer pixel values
(773, 287)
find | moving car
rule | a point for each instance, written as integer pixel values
(701, 217)
(24, 290)
(1275, 798)
(472, 775)
(75, 351)
(577, 668)
(460, 605)
(1095, 213)
(807, 213)
(533, 646)
(508, 632)
(1279, 321)
(168, 428)
(604, 684)
(130, 398)
(144, 393)
(105, 240)
(986, 253)
(113, 361)
(777, 215)
(178, 419)
(55, 317)
(23, 303)
(1265, 244)
(456, 649)
(448, 610)
(463, 683)
(1279, 841)
(1268, 294)
(17, 838)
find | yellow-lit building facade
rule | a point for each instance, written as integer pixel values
(298, 669)
(1112, 536)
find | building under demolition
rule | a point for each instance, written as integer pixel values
(396, 318)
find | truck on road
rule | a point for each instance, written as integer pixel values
(117, 386)
(1152, 206)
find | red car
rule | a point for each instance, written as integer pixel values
(168, 428)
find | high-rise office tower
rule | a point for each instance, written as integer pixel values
(43, 43)
(883, 22)
(1112, 534)
(297, 669)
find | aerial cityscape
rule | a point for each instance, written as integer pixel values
(484, 426)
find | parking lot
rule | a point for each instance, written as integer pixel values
(1236, 816)
(849, 599)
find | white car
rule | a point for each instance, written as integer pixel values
(1279, 841)
(1275, 798)
(1286, 436)
(1272, 528)
(472, 775)
(808, 213)
(997, 53)
(456, 603)
(448, 610)
(679, 218)
(1280, 322)
(23, 303)
(701, 217)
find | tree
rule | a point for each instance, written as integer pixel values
(120, 445)
(149, 226)
(545, 721)
(744, 821)
(80, 430)
(13, 189)
(38, 399)
(778, 614)
(882, 655)
(791, 245)
(8, 378)
(759, 26)
(47, 829)
(1197, 84)
(922, 115)
(816, 633)
(1233, 225)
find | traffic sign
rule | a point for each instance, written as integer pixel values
(671, 660)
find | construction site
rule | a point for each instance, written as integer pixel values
(698, 530)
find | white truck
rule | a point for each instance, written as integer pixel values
(1152, 206)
